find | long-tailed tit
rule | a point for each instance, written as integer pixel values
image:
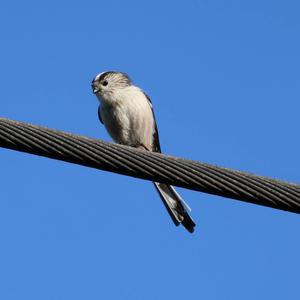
(127, 114)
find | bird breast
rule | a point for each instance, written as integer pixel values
(128, 118)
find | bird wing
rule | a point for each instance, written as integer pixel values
(155, 142)
(99, 114)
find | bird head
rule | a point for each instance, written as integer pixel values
(109, 82)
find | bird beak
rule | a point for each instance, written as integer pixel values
(95, 88)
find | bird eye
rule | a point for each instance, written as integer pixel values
(104, 83)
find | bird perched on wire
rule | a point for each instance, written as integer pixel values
(127, 114)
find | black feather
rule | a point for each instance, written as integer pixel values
(99, 114)
(155, 142)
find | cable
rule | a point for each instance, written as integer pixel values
(148, 165)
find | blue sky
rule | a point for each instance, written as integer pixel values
(224, 79)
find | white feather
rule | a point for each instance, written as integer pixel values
(131, 120)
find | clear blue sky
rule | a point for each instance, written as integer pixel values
(225, 83)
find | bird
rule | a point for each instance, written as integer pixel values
(127, 114)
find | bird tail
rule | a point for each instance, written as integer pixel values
(176, 207)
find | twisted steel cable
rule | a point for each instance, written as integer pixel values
(148, 165)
